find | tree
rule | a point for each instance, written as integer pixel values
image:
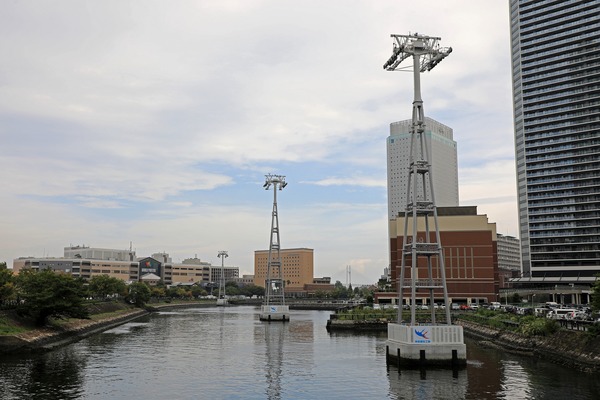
(515, 298)
(197, 291)
(48, 294)
(596, 294)
(103, 286)
(157, 292)
(139, 294)
(7, 283)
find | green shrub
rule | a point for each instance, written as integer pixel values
(538, 326)
(594, 330)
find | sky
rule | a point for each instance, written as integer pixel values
(152, 124)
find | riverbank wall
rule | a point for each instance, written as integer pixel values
(571, 349)
(44, 339)
(47, 338)
(377, 325)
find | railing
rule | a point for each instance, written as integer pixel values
(423, 283)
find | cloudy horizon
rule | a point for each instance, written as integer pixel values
(142, 122)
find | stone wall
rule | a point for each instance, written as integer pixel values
(572, 349)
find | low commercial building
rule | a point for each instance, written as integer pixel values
(116, 263)
(469, 243)
(84, 268)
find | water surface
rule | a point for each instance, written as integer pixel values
(227, 353)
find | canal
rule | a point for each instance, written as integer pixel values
(227, 353)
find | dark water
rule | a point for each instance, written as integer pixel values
(227, 353)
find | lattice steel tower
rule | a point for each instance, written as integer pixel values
(420, 204)
(274, 307)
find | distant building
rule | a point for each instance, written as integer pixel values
(443, 159)
(469, 242)
(245, 280)
(297, 267)
(190, 270)
(78, 267)
(194, 270)
(145, 269)
(231, 273)
(509, 253)
(95, 253)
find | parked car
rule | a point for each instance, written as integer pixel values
(465, 307)
(455, 306)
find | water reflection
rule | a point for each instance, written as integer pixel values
(227, 353)
(428, 384)
(55, 375)
(274, 333)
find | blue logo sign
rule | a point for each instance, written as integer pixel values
(423, 335)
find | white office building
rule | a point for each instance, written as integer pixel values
(443, 159)
(95, 253)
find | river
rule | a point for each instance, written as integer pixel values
(227, 353)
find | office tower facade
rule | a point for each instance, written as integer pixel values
(509, 253)
(297, 267)
(444, 164)
(555, 47)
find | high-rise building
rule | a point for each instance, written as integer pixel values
(509, 253)
(556, 87)
(444, 164)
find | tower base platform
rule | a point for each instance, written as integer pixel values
(275, 313)
(426, 345)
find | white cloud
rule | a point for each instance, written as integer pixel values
(138, 121)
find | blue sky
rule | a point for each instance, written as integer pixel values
(154, 123)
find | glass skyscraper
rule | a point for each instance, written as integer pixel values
(556, 87)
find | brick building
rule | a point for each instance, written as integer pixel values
(470, 255)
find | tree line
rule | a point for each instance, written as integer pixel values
(42, 294)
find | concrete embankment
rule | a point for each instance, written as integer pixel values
(47, 338)
(44, 339)
(571, 349)
(377, 325)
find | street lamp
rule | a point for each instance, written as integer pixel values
(221, 301)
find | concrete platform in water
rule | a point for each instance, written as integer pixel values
(426, 345)
(275, 313)
(222, 302)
